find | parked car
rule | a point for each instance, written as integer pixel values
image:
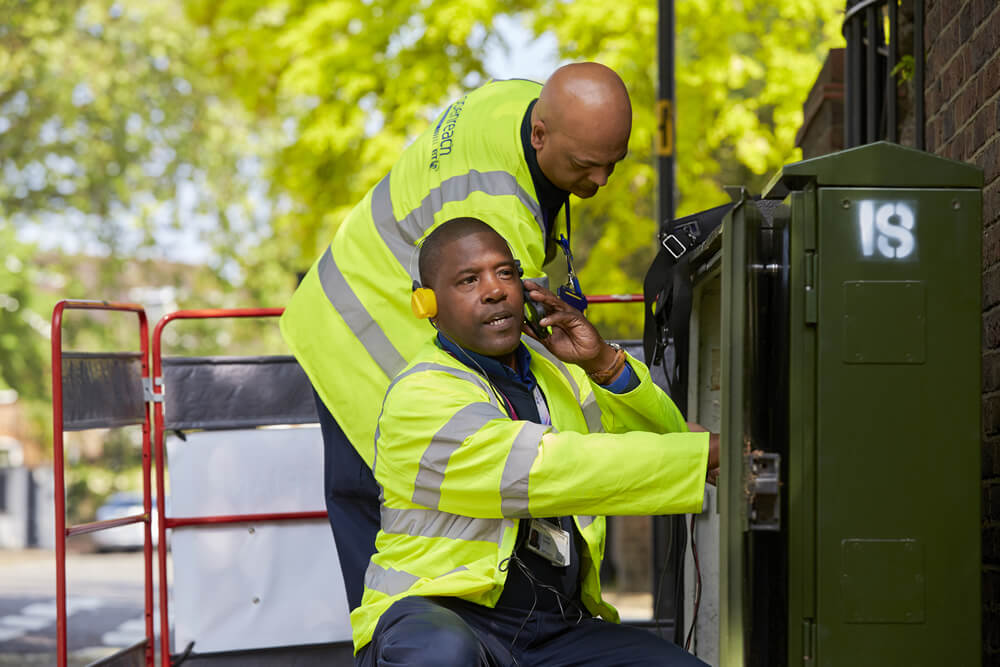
(122, 538)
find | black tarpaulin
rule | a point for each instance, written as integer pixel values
(235, 392)
(102, 390)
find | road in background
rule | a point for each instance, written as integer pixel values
(104, 605)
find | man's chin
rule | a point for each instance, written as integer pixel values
(585, 194)
(500, 348)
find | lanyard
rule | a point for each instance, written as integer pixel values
(543, 409)
(571, 292)
(544, 417)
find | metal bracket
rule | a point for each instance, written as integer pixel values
(764, 491)
(147, 390)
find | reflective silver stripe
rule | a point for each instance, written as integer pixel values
(514, 481)
(458, 188)
(468, 376)
(540, 349)
(394, 582)
(592, 414)
(432, 523)
(428, 366)
(401, 236)
(434, 462)
(403, 250)
(361, 324)
(387, 580)
(584, 521)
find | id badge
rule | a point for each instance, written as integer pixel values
(549, 542)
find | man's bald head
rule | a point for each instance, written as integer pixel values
(580, 126)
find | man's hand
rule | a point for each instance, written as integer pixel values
(712, 474)
(574, 339)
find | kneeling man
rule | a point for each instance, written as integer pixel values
(498, 456)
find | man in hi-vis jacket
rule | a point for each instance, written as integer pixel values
(510, 152)
(498, 456)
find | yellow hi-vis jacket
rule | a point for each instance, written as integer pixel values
(457, 472)
(349, 323)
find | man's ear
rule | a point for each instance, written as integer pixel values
(538, 134)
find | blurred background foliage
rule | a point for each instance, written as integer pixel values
(202, 153)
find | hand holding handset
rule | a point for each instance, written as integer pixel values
(533, 313)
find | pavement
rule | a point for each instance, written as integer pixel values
(105, 596)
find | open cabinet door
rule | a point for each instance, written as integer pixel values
(755, 407)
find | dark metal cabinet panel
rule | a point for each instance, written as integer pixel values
(897, 503)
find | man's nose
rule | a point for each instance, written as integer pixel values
(494, 290)
(600, 175)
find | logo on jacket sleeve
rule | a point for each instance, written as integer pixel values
(444, 133)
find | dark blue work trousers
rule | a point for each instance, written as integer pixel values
(448, 632)
(351, 503)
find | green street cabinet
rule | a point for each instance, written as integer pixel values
(835, 343)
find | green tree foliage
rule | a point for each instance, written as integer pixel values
(22, 355)
(105, 116)
(357, 80)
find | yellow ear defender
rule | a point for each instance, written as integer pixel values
(423, 301)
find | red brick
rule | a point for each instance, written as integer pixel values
(933, 134)
(988, 79)
(932, 97)
(991, 241)
(985, 41)
(991, 544)
(991, 204)
(956, 150)
(942, 46)
(965, 24)
(991, 416)
(981, 130)
(953, 76)
(991, 459)
(981, 10)
(991, 332)
(947, 123)
(966, 103)
(991, 292)
(991, 501)
(989, 159)
(991, 614)
(932, 15)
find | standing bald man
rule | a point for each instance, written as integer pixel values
(509, 153)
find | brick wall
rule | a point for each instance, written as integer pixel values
(962, 97)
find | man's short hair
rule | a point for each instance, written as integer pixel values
(441, 236)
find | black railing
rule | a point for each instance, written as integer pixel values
(874, 67)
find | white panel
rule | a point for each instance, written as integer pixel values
(253, 585)
(704, 400)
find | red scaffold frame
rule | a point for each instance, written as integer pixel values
(62, 531)
(158, 438)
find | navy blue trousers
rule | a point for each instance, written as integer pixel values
(351, 503)
(445, 632)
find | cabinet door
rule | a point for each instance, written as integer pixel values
(755, 357)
